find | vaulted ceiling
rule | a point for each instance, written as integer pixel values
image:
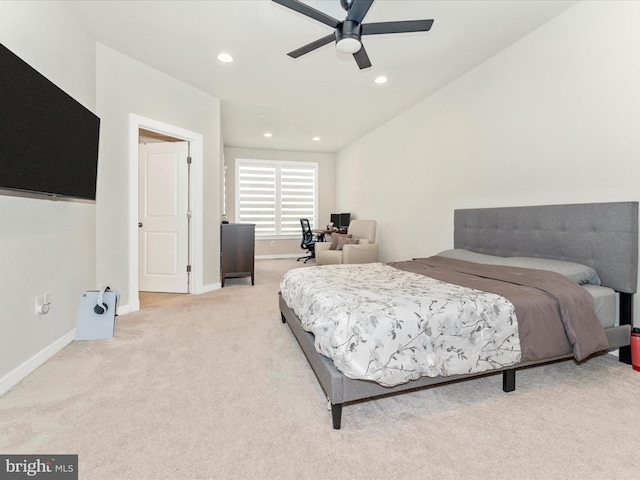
(322, 94)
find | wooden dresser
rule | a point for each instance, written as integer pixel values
(237, 250)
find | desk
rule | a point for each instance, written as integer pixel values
(321, 233)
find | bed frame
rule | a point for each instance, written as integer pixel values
(601, 235)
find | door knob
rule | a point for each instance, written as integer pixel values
(139, 224)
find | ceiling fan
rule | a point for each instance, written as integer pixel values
(348, 32)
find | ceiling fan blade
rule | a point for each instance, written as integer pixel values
(362, 59)
(358, 10)
(312, 46)
(396, 27)
(305, 9)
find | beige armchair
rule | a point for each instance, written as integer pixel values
(364, 251)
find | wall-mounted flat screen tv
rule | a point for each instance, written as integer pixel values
(48, 140)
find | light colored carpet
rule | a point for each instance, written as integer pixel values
(216, 387)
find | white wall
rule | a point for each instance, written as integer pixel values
(126, 86)
(46, 246)
(552, 119)
(326, 191)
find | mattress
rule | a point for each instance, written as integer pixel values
(604, 303)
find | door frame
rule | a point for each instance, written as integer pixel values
(136, 122)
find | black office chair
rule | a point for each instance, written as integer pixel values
(308, 241)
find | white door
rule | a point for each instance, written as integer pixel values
(163, 217)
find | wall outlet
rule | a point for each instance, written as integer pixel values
(43, 304)
(273, 243)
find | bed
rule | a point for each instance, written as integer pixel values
(600, 236)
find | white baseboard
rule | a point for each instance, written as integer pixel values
(124, 309)
(283, 255)
(20, 373)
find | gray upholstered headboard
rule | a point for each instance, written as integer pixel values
(601, 235)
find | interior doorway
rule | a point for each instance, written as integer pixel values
(195, 199)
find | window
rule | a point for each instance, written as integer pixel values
(276, 195)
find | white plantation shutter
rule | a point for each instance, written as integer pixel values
(276, 195)
(298, 197)
(257, 197)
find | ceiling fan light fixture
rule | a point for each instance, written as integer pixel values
(348, 45)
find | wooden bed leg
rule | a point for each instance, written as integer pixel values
(284, 320)
(336, 413)
(509, 380)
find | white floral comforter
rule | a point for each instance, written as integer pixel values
(391, 326)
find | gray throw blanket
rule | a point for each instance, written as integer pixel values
(555, 315)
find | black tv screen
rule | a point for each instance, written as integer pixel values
(48, 140)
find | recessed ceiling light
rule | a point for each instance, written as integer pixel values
(225, 58)
(381, 79)
(268, 135)
(316, 139)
